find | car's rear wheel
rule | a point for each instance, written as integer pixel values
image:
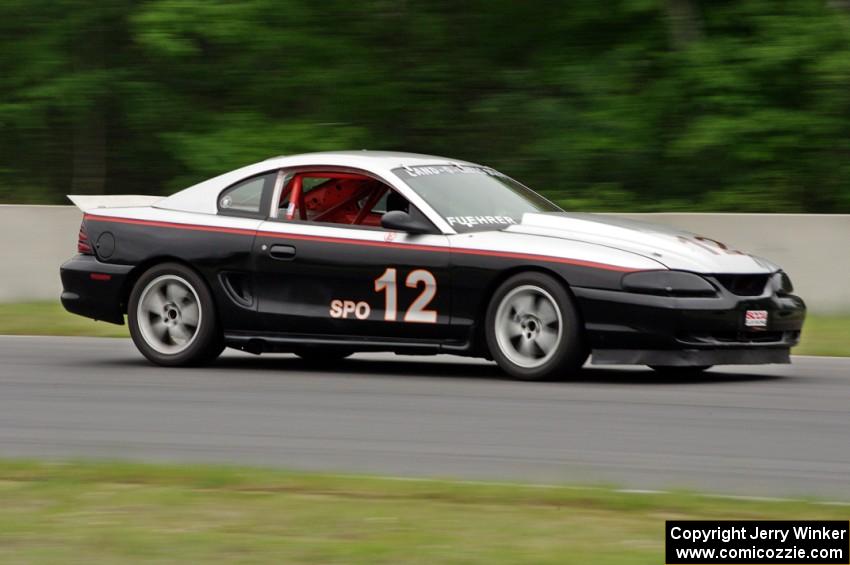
(533, 330)
(172, 317)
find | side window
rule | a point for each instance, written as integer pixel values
(345, 198)
(249, 197)
(332, 197)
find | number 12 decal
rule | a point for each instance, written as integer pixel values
(417, 311)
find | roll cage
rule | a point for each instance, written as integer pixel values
(338, 197)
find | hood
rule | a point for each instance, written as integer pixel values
(675, 249)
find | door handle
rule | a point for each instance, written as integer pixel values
(282, 252)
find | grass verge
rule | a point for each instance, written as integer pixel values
(50, 318)
(822, 335)
(117, 512)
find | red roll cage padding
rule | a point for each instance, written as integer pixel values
(296, 200)
(338, 193)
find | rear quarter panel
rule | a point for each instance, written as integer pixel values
(210, 244)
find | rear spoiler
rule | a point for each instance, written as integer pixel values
(89, 202)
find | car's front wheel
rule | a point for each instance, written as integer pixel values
(533, 330)
(172, 317)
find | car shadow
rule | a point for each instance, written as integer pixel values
(428, 367)
(646, 376)
(406, 366)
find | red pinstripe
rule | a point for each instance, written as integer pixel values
(345, 241)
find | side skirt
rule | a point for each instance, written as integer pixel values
(267, 343)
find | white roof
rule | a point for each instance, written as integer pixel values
(364, 158)
(202, 196)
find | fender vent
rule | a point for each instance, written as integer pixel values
(239, 288)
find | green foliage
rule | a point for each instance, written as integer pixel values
(625, 105)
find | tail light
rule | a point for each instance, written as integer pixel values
(83, 243)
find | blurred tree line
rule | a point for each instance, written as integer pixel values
(621, 105)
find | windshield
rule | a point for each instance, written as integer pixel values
(473, 198)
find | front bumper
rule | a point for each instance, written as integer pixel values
(631, 328)
(94, 289)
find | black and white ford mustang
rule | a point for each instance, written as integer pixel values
(327, 254)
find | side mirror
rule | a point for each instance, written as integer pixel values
(402, 221)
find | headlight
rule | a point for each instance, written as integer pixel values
(668, 283)
(782, 283)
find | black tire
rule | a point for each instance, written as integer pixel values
(685, 371)
(323, 354)
(566, 352)
(206, 342)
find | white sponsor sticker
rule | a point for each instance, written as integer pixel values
(454, 169)
(755, 319)
(470, 221)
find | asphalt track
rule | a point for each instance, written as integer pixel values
(774, 431)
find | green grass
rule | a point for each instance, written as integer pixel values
(825, 335)
(822, 335)
(117, 512)
(50, 318)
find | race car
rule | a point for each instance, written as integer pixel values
(328, 254)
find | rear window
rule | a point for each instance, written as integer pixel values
(247, 198)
